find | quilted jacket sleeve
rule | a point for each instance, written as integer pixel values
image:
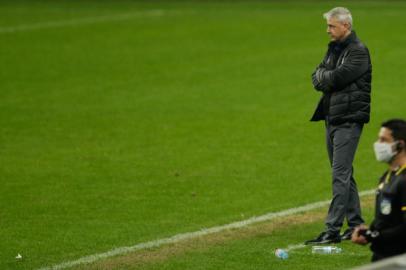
(316, 83)
(355, 64)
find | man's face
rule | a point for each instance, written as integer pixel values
(385, 135)
(337, 30)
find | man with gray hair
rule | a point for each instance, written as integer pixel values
(344, 79)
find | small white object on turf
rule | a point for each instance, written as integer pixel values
(281, 254)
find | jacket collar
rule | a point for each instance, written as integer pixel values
(349, 39)
(340, 45)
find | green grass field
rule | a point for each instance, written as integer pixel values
(251, 247)
(123, 122)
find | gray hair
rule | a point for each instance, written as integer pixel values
(341, 14)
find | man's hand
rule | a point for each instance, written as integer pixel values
(357, 238)
(316, 83)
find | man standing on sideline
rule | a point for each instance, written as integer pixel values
(387, 233)
(344, 79)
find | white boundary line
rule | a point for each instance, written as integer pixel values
(190, 235)
(81, 21)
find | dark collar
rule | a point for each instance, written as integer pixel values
(351, 38)
(341, 45)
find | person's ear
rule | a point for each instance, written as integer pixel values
(401, 145)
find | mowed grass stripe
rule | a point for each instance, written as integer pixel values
(187, 236)
(84, 21)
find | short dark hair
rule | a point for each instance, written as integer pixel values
(398, 128)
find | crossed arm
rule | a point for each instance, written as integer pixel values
(354, 65)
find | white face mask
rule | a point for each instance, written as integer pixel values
(384, 151)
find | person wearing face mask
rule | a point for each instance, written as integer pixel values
(344, 79)
(387, 232)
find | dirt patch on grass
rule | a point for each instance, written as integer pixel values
(138, 259)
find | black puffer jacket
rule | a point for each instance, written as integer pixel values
(344, 76)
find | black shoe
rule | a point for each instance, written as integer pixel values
(324, 238)
(347, 234)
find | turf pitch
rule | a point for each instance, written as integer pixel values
(123, 122)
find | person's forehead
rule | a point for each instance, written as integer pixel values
(333, 21)
(385, 132)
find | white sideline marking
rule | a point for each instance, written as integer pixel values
(190, 235)
(80, 21)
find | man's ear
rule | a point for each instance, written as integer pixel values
(401, 145)
(348, 26)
